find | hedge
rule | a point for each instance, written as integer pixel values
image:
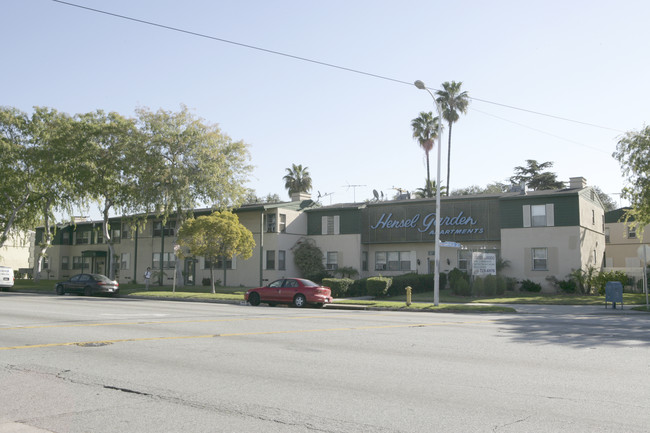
(339, 286)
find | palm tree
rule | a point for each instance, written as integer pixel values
(429, 189)
(425, 131)
(453, 102)
(297, 179)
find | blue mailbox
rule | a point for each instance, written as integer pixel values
(613, 293)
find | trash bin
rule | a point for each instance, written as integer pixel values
(614, 293)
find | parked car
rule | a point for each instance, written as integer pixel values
(6, 277)
(88, 284)
(295, 291)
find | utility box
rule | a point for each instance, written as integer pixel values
(614, 293)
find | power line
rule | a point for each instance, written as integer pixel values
(317, 62)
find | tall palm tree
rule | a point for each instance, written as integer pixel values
(453, 102)
(297, 179)
(425, 131)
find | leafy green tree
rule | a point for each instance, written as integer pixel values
(308, 258)
(186, 162)
(110, 165)
(608, 203)
(453, 102)
(633, 155)
(425, 131)
(218, 236)
(297, 179)
(35, 152)
(492, 188)
(535, 178)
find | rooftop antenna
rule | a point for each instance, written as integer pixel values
(330, 194)
(376, 194)
(354, 190)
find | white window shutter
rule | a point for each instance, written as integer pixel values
(337, 224)
(414, 263)
(234, 262)
(526, 209)
(323, 222)
(550, 215)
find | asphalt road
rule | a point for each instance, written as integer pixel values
(77, 364)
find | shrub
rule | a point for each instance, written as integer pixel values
(347, 272)
(567, 286)
(358, 288)
(462, 288)
(490, 285)
(478, 286)
(339, 286)
(455, 275)
(530, 286)
(502, 284)
(378, 286)
(603, 277)
(400, 282)
(206, 282)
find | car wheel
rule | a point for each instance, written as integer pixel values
(59, 290)
(88, 291)
(254, 299)
(299, 301)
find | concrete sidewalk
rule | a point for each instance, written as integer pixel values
(571, 309)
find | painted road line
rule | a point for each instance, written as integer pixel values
(239, 334)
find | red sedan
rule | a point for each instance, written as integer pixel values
(296, 291)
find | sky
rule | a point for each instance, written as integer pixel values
(557, 81)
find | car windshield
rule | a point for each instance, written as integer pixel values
(308, 283)
(99, 277)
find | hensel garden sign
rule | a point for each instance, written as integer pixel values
(461, 220)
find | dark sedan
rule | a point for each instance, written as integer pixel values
(88, 284)
(296, 291)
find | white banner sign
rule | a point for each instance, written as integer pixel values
(484, 264)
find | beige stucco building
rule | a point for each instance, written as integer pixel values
(540, 234)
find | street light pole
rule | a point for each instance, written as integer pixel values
(436, 272)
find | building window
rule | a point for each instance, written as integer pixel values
(100, 236)
(116, 235)
(125, 259)
(283, 223)
(540, 259)
(65, 263)
(169, 260)
(330, 225)
(82, 238)
(593, 217)
(79, 262)
(65, 238)
(282, 260)
(606, 234)
(168, 230)
(332, 261)
(270, 259)
(393, 261)
(538, 215)
(631, 232)
(126, 231)
(218, 264)
(364, 260)
(270, 222)
(464, 260)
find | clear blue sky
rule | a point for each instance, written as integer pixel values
(583, 60)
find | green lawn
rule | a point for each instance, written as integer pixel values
(421, 301)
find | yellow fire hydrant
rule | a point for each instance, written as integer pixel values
(408, 295)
